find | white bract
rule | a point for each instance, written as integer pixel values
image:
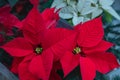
(83, 10)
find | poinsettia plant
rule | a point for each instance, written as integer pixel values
(46, 50)
(83, 10)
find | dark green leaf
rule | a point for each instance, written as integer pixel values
(108, 17)
(12, 2)
(2, 3)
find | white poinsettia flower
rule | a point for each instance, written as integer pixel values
(76, 19)
(85, 7)
(59, 4)
(83, 10)
(66, 12)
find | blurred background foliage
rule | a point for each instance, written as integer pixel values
(111, 28)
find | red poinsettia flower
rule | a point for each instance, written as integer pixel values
(34, 53)
(32, 64)
(52, 37)
(32, 25)
(88, 50)
(7, 20)
(46, 18)
(25, 47)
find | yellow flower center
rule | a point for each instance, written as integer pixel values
(76, 50)
(38, 50)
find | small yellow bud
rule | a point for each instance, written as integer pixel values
(77, 50)
(38, 50)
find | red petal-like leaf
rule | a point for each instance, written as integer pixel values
(87, 69)
(101, 47)
(50, 14)
(36, 67)
(41, 65)
(23, 70)
(51, 17)
(54, 35)
(19, 24)
(18, 47)
(104, 62)
(60, 48)
(69, 62)
(54, 75)
(90, 33)
(5, 9)
(47, 58)
(33, 27)
(1, 39)
(7, 19)
(15, 64)
(34, 2)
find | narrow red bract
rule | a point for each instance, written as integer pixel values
(50, 17)
(35, 2)
(1, 39)
(7, 19)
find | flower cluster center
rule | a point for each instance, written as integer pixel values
(38, 50)
(76, 50)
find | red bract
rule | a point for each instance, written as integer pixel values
(50, 17)
(88, 50)
(35, 2)
(20, 5)
(54, 75)
(7, 19)
(1, 39)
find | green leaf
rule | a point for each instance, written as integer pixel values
(114, 75)
(108, 17)
(100, 76)
(56, 3)
(74, 75)
(111, 11)
(12, 2)
(2, 3)
(45, 5)
(116, 78)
